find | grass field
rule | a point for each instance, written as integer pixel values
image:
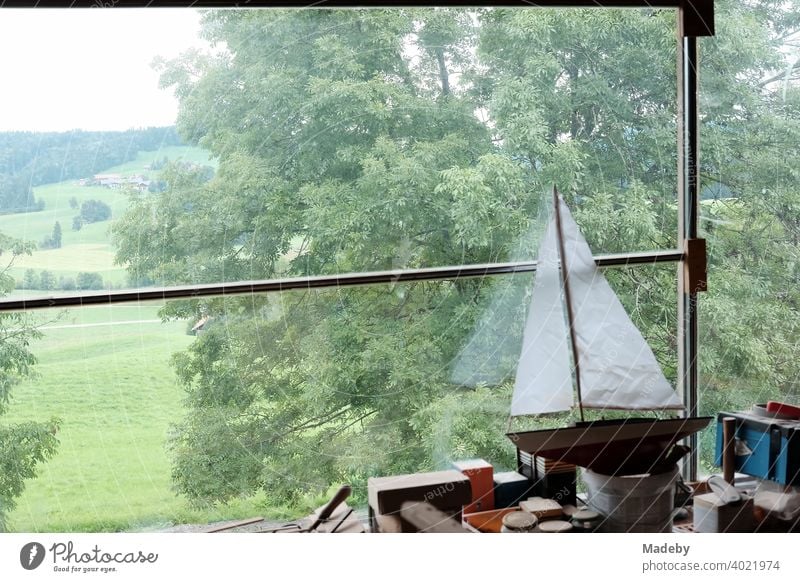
(105, 372)
(88, 249)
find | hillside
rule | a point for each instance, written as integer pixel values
(88, 249)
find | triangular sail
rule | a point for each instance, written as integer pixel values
(617, 367)
(544, 380)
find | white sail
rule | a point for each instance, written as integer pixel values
(544, 379)
(617, 367)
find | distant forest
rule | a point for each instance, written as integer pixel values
(29, 159)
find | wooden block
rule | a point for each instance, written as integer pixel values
(488, 521)
(388, 524)
(542, 508)
(425, 518)
(481, 477)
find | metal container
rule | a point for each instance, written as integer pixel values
(636, 503)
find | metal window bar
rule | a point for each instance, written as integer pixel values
(695, 19)
(317, 282)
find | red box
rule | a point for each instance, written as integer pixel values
(481, 477)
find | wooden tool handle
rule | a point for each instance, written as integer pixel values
(729, 449)
(341, 495)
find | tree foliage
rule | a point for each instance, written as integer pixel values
(53, 241)
(86, 281)
(23, 445)
(93, 211)
(400, 138)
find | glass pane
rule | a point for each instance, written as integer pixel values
(264, 403)
(750, 103)
(327, 141)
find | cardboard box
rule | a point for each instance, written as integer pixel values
(711, 515)
(510, 488)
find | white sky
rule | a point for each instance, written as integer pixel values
(89, 69)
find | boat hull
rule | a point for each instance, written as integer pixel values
(616, 447)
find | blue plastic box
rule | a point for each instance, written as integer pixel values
(766, 448)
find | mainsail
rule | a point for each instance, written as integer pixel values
(618, 370)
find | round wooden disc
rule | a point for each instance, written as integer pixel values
(585, 515)
(519, 520)
(555, 526)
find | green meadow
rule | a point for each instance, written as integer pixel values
(105, 372)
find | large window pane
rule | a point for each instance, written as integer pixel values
(750, 102)
(328, 141)
(265, 402)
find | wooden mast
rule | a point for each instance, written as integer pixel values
(568, 298)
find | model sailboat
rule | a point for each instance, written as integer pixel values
(575, 312)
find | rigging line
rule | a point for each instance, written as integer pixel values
(568, 299)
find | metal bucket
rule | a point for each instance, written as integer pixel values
(636, 503)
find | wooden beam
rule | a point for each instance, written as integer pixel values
(695, 270)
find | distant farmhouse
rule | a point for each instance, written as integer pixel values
(116, 181)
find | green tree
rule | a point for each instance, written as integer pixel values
(31, 279)
(16, 195)
(57, 234)
(66, 283)
(360, 149)
(94, 211)
(89, 281)
(750, 134)
(47, 281)
(24, 445)
(53, 240)
(352, 141)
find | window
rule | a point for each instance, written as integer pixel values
(339, 239)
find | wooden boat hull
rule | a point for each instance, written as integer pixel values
(611, 447)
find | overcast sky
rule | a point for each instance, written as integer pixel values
(89, 69)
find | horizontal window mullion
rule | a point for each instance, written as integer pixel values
(319, 282)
